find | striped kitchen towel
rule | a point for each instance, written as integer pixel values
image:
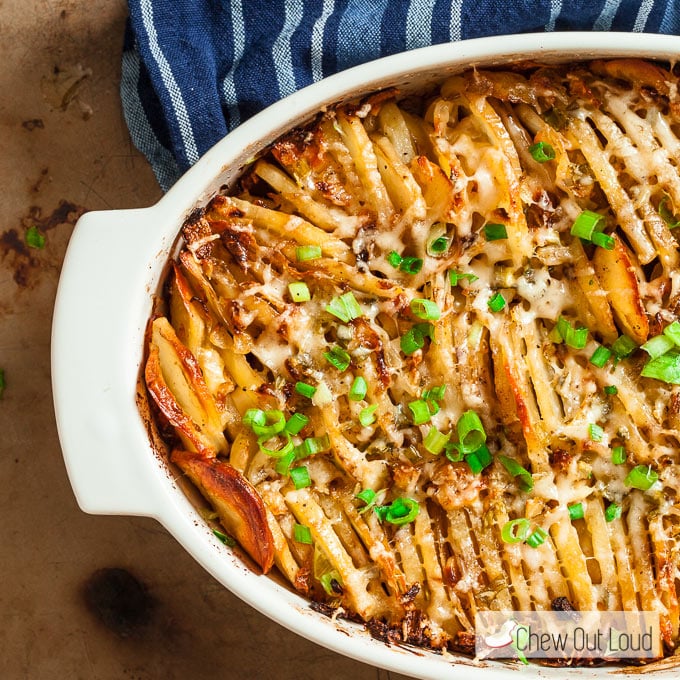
(194, 69)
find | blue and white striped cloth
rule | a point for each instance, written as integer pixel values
(194, 69)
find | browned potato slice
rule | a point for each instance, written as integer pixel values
(616, 270)
(240, 508)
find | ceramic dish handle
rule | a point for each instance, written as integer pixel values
(102, 306)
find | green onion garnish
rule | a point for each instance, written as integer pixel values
(420, 411)
(496, 302)
(367, 415)
(456, 277)
(587, 224)
(600, 356)
(611, 389)
(471, 434)
(296, 423)
(641, 477)
(537, 537)
(572, 337)
(302, 534)
(414, 338)
(612, 512)
(328, 579)
(305, 389)
(367, 496)
(411, 265)
(34, 237)
(516, 530)
(437, 246)
(227, 540)
(394, 258)
(303, 253)
(359, 388)
(672, 331)
(425, 309)
(265, 423)
(524, 477)
(300, 477)
(595, 432)
(604, 240)
(435, 441)
(667, 213)
(338, 358)
(657, 346)
(299, 291)
(399, 511)
(453, 453)
(542, 152)
(495, 232)
(665, 368)
(284, 450)
(313, 445)
(623, 346)
(436, 393)
(283, 464)
(576, 511)
(344, 307)
(479, 459)
(619, 455)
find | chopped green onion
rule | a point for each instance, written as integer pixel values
(338, 358)
(367, 496)
(436, 393)
(623, 346)
(641, 477)
(600, 356)
(537, 537)
(265, 423)
(657, 346)
(425, 309)
(524, 477)
(619, 455)
(254, 416)
(299, 291)
(367, 415)
(394, 258)
(542, 152)
(495, 232)
(420, 411)
(604, 240)
(587, 224)
(667, 213)
(471, 434)
(287, 448)
(665, 368)
(496, 303)
(303, 253)
(283, 464)
(227, 540)
(328, 579)
(305, 389)
(453, 453)
(672, 331)
(302, 534)
(359, 388)
(479, 459)
(400, 511)
(572, 337)
(34, 237)
(412, 340)
(432, 407)
(611, 389)
(345, 307)
(612, 512)
(313, 445)
(435, 441)
(300, 477)
(456, 277)
(411, 265)
(576, 511)
(595, 432)
(296, 423)
(516, 530)
(438, 246)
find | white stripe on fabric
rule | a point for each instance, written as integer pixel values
(367, 33)
(170, 83)
(456, 23)
(317, 39)
(281, 54)
(641, 20)
(606, 19)
(228, 85)
(162, 161)
(419, 24)
(555, 9)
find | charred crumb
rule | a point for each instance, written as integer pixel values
(562, 604)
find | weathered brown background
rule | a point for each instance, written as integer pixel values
(64, 149)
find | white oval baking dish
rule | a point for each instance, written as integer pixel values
(112, 268)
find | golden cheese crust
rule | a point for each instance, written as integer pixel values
(425, 358)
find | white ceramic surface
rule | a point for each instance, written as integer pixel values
(112, 267)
